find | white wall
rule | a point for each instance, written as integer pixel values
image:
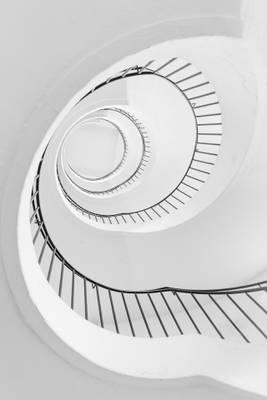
(40, 40)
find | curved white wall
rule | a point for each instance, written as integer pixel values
(22, 352)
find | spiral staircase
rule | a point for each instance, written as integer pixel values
(136, 206)
(238, 311)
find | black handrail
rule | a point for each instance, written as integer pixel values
(136, 312)
(151, 212)
(40, 220)
(214, 296)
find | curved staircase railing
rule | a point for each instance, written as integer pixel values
(236, 312)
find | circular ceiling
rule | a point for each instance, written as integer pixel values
(94, 150)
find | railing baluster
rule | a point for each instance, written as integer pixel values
(171, 312)
(129, 70)
(85, 299)
(141, 70)
(178, 70)
(188, 77)
(61, 279)
(149, 216)
(37, 232)
(99, 307)
(113, 312)
(263, 289)
(127, 313)
(256, 302)
(143, 315)
(72, 288)
(36, 177)
(51, 265)
(34, 213)
(34, 194)
(187, 312)
(229, 319)
(165, 64)
(157, 314)
(247, 316)
(207, 316)
(42, 251)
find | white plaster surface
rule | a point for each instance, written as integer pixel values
(41, 41)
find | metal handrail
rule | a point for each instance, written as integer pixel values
(178, 196)
(212, 297)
